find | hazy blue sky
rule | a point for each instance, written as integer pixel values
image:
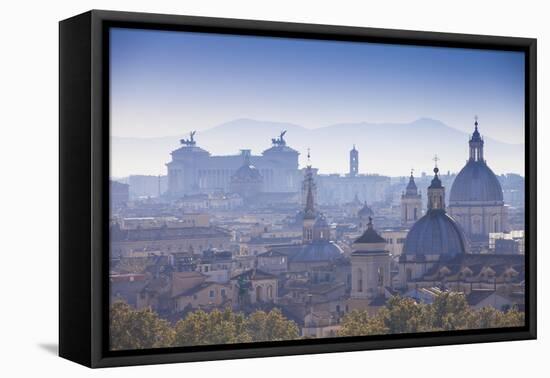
(167, 83)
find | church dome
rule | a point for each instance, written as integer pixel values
(247, 173)
(476, 182)
(365, 212)
(318, 251)
(436, 233)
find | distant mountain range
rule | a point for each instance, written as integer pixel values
(385, 148)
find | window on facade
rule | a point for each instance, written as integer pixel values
(476, 226)
(380, 277)
(211, 294)
(258, 293)
(222, 292)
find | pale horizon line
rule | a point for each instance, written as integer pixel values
(177, 136)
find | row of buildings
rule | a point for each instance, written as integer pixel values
(275, 172)
(320, 262)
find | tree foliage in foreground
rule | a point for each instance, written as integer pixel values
(223, 327)
(449, 311)
(138, 329)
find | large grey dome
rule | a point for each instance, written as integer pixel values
(476, 182)
(436, 233)
(318, 251)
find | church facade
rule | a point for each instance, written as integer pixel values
(434, 238)
(438, 253)
(476, 198)
(370, 265)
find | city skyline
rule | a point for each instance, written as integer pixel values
(267, 228)
(375, 148)
(166, 84)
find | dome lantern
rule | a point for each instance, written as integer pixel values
(476, 144)
(436, 192)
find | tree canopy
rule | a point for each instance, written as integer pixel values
(449, 311)
(139, 329)
(144, 329)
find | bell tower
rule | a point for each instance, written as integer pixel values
(436, 191)
(370, 265)
(309, 210)
(411, 203)
(353, 162)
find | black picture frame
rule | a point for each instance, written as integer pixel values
(84, 187)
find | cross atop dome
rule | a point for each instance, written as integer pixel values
(436, 181)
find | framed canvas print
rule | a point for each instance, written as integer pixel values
(234, 188)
